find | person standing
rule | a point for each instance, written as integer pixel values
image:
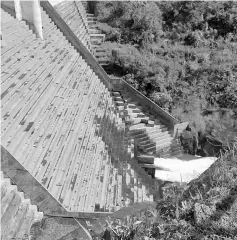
(186, 140)
(194, 144)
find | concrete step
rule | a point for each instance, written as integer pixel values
(97, 36)
(17, 213)
(116, 94)
(92, 23)
(157, 140)
(136, 129)
(100, 55)
(157, 130)
(156, 143)
(94, 31)
(158, 148)
(133, 115)
(117, 98)
(131, 106)
(133, 121)
(160, 137)
(146, 159)
(103, 62)
(141, 131)
(91, 18)
(135, 110)
(93, 26)
(96, 41)
(99, 50)
(142, 137)
(90, 15)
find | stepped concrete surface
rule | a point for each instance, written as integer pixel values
(74, 14)
(84, 25)
(60, 122)
(17, 212)
(151, 136)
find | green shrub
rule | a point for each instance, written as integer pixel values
(162, 99)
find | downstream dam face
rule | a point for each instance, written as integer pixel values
(74, 141)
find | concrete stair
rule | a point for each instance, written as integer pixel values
(61, 123)
(151, 136)
(85, 4)
(74, 14)
(96, 37)
(17, 212)
(84, 25)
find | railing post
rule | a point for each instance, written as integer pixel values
(18, 10)
(37, 20)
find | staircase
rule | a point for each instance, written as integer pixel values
(73, 13)
(151, 136)
(17, 212)
(61, 123)
(68, 10)
(97, 38)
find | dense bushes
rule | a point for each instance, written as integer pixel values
(182, 55)
(137, 22)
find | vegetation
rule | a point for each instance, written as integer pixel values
(182, 55)
(204, 210)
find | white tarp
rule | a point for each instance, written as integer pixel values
(183, 168)
(55, 2)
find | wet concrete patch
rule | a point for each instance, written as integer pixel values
(29, 126)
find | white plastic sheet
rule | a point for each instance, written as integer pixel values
(182, 169)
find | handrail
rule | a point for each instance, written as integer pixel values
(153, 107)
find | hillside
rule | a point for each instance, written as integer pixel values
(182, 55)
